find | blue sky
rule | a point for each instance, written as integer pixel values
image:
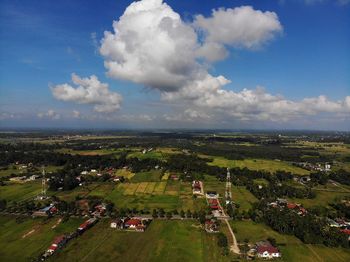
(42, 43)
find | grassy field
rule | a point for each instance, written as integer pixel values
(292, 248)
(15, 169)
(20, 191)
(163, 241)
(28, 239)
(125, 173)
(150, 176)
(243, 197)
(259, 164)
(322, 198)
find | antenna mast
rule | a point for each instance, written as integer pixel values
(43, 185)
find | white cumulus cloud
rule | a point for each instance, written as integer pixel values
(50, 114)
(151, 45)
(88, 91)
(241, 27)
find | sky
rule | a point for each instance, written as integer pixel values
(267, 64)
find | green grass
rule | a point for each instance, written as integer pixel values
(20, 191)
(150, 176)
(259, 164)
(242, 196)
(15, 246)
(162, 241)
(322, 198)
(291, 247)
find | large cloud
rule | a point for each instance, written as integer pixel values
(88, 91)
(152, 46)
(241, 27)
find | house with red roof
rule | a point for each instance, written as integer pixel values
(265, 250)
(133, 223)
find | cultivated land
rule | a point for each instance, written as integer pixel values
(292, 248)
(259, 164)
(163, 241)
(27, 238)
(145, 189)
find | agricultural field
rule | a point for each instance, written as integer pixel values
(14, 191)
(168, 195)
(292, 248)
(125, 173)
(162, 241)
(259, 164)
(96, 152)
(149, 176)
(27, 238)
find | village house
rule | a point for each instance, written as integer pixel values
(86, 225)
(211, 226)
(46, 211)
(196, 186)
(56, 244)
(265, 250)
(134, 223)
(174, 177)
(212, 194)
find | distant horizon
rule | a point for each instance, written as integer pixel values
(160, 130)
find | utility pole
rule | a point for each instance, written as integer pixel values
(228, 194)
(43, 185)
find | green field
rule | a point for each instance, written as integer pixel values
(292, 248)
(28, 239)
(259, 164)
(162, 241)
(243, 197)
(150, 176)
(20, 191)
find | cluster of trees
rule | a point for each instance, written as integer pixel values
(239, 152)
(223, 243)
(276, 187)
(342, 207)
(341, 176)
(192, 164)
(310, 228)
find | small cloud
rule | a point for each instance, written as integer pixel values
(50, 114)
(76, 114)
(89, 91)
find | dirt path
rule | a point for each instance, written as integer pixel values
(234, 247)
(57, 223)
(29, 233)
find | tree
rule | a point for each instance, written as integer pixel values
(154, 213)
(202, 217)
(169, 215)
(272, 241)
(188, 213)
(3, 204)
(182, 213)
(161, 212)
(222, 240)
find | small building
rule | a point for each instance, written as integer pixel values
(211, 226)
(46, 211)
(197, 187)
(118, 223)
(265, 250)
(174, 177)
(212, 194)
(87, 224)
(133, 223)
